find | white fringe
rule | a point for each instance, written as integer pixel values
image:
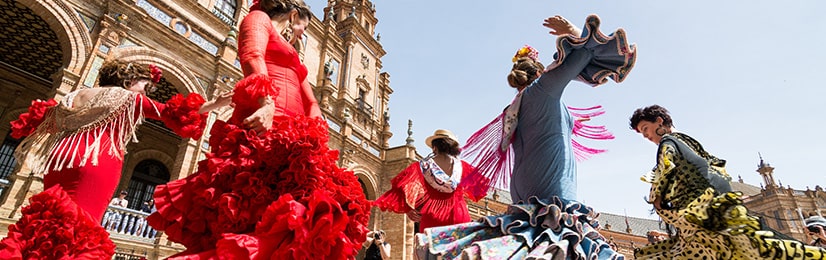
(56, 142)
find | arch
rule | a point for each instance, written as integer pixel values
(147, 154)
(75, 41)
(147, 174)
(369, 180)
(182, 76)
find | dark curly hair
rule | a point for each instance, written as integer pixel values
(121, 74)
(650, 114)
(275, 8)
(524, 72)
(446, 146)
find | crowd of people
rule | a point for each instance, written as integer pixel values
(270, 187)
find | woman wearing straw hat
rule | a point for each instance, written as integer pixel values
(430, 191)
(816, 227)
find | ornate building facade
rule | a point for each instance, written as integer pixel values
(52, 47)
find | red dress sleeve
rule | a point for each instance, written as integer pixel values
(181, 115)
(474, 190)
(253, 38)
(27, 122)
(407, 188)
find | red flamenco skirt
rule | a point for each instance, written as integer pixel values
(54, 227)
(278, 195)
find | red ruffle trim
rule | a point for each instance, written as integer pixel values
(54, 227)
(29, 121)
(181, 115)
(396, 199)
(252, 87)
(266, 196)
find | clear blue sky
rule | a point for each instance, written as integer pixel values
(740, 76)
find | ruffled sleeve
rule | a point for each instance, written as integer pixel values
(407, 188)
(613, 56)
(474, 190)
(181, 115)
(27, 122)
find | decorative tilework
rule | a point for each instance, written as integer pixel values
(203, 43)
(156, 13)
(89, 22)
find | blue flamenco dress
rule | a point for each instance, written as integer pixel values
(546, 221)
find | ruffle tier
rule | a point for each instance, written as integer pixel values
(613, 58)
(181, 115)
(27, 122)
(722, 229)
(532, 230)
(52, 226)
(278, 195)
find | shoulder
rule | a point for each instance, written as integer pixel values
(256, 17)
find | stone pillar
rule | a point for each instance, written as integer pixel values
(23, 185)
(186, 159)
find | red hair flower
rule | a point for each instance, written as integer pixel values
(156, 73)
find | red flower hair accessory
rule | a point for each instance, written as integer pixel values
(526, 51)
(156, 73)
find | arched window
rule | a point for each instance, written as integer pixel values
(364, 189)
(147, 174)
(225, 9)
(7, 161)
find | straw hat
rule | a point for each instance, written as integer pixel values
(815, 220)
(440, 133)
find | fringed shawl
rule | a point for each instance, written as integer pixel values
(489, 149)
(57, 142)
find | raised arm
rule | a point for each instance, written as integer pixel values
(561, 26)
(561, 72)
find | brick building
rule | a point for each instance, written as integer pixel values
(52, 47)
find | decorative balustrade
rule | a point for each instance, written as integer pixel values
(128, 224)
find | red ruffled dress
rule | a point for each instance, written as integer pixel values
(440, 201)
(277, 195)
(81, 150)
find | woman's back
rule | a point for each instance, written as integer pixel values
(544, 164)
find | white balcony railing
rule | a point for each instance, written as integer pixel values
(128, 224)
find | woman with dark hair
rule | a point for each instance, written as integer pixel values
(535, 135)
(816, 229)
(430, 190)
(270, 187)
(79, 144)
(690, 190)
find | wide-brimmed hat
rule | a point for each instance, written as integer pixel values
(815, 220)
(440, 133)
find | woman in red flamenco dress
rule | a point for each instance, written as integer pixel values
(270, 187)
(430, 191)
(79, 143)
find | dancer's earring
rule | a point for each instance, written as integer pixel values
(287, 33)
(660, 131)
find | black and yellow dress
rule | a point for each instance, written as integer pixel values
(690, 191)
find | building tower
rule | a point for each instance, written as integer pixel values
(767, 172)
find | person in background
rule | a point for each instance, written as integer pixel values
(430, 191)
(377, 247)
(816, 228)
